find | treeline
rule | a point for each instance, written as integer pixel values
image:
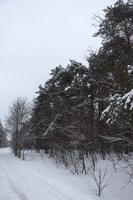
(3, 138)
(83, 111)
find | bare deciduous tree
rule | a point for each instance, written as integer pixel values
(101, 180)
(19, 114)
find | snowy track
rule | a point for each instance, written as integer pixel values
(41, 180)
(27, 180)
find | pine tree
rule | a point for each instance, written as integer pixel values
(116, 31)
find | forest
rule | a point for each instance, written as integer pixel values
(82, 111)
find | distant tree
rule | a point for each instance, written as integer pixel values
(3, 139)
(19, 113)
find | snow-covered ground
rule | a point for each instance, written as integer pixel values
(39, 179)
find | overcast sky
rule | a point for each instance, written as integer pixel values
(38, 35)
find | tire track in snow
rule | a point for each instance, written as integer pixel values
(20, 194)
(14, 192)
(39, 181)
(14, 173)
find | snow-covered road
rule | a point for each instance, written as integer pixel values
(41, 179)
(29, 180)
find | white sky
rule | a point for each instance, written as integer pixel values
(38, 35)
